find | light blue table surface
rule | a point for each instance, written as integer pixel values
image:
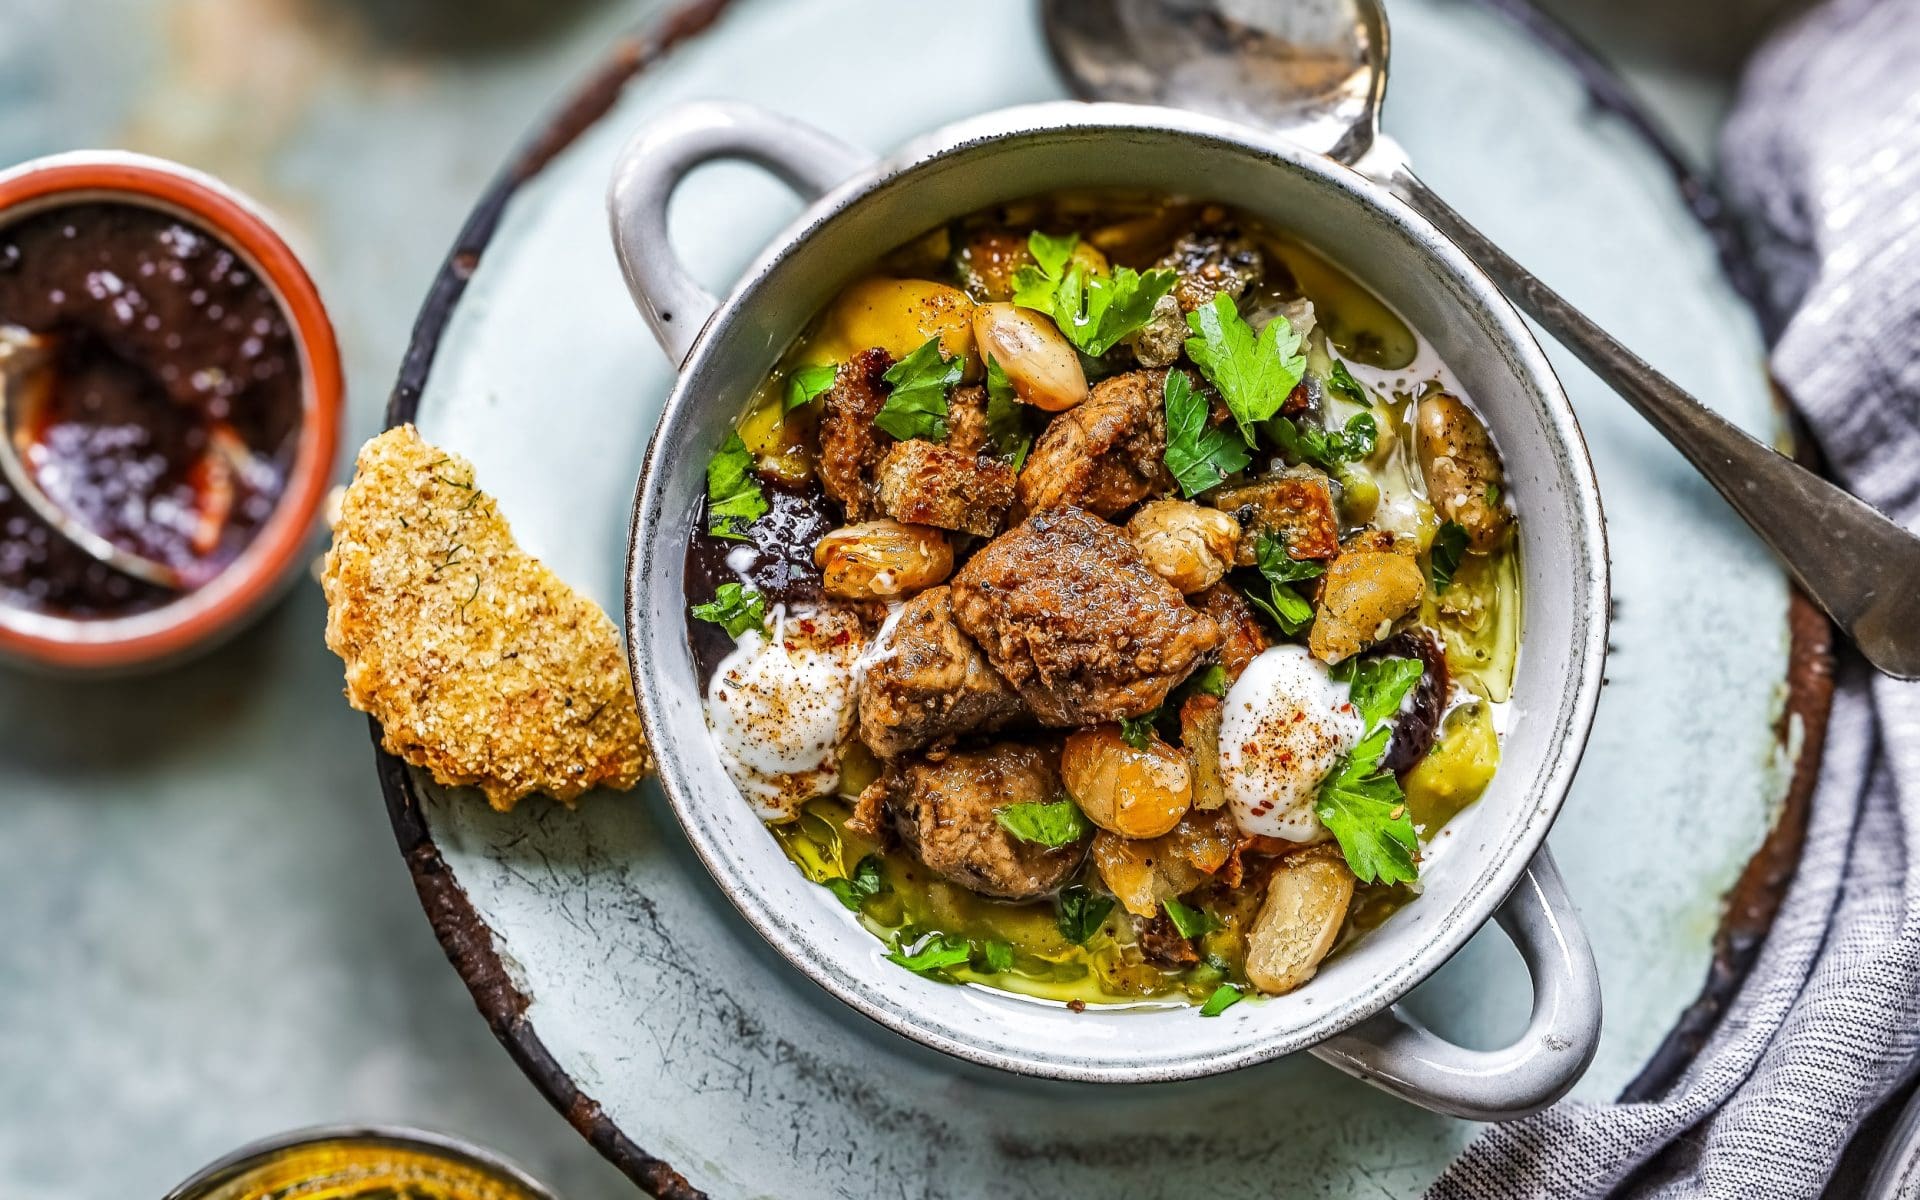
(205, 932)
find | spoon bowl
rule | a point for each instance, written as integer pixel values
(1315, 71)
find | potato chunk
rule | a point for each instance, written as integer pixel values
(1363, 593)
(1187, 545)
(1134, 791)
(1307, 898)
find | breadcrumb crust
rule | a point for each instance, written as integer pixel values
(480, 664)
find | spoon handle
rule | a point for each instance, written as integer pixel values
(1860, 567)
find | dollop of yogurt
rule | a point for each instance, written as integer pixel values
(1284, 727)
(781, 705)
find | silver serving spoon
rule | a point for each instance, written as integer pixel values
(1316, 71)
(25, 385)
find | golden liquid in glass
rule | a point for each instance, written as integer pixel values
(361, 1169)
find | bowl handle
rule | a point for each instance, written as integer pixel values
(660, 156)
(1393, 1051)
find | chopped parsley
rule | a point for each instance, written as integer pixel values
(1138, 731)
(1224, 997)
(735, 609)
(1288, 608)
(1199, 455)
(1342, 383)
(995, 957)
(1079, 910)
(1326, 448)
(734, 496)
(917, 405)
(1007, 426)
(1191, 922)
(1095, 312)
(1212, 681)
(1443, 557)
(932, 954)
(807, 382)
(1361, 803)
(1060, 823)
(866, 882)
(1254, 374)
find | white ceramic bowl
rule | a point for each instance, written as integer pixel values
(1492, 864)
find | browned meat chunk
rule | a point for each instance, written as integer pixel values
(851, 446)
(928, 681)
(946, 812)
(926, 483)
(1105, 454)
(1241, 636)
(1162, 945)
(1067, 610)
(1295, 505)
(967, 421)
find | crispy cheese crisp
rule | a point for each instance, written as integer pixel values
(480, 664)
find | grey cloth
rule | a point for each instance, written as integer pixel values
(1822, 159)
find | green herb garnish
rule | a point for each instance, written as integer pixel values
(1079, 910)
(734, 496)
(1138, 731)
(1288, 608)
(932, 954)
(1342, 383)
(866, 882)
(1379, 686)
(1007, 426)
(996, 957)
(735, 609)
(1325, 448)
(1060, 823)
(1254, 374)
(1224, 997)
(1095, 312)
(807, 382)
(1191, 922)
(1360, 803)
(1212, 681)
(1199, 455)
(1443, 557)
(917, 405)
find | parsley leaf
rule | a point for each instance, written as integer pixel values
(1224, 997)
(1007, 426)
(1345, 385)
(917, 405)
(807, 382)
(1362, 806)
(931, 955)
(1094, 311)
(734, 495)
(1212, 681)
(1254, 374)
(996, 957)
(1191, 922)
(1443, 557)
(1079, 910)
(734, 608)
(1199, 455)
(1328, 448)
(1379, 686)
(1138, 731)
(865, 882)
(1060, 823)
(1288, 608)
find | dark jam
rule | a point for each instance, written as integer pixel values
(174, 405)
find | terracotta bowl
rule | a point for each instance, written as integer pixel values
(251, 581)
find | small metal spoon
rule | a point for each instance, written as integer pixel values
(26, 380)
(1316, 71)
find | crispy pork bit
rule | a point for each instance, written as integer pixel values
(1295, 506)
(851, 445)
(925, 680)
(1104, 455)
(480, 665)
(1067, 610)
(926, 483)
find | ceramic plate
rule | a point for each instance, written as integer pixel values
(621, 979)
